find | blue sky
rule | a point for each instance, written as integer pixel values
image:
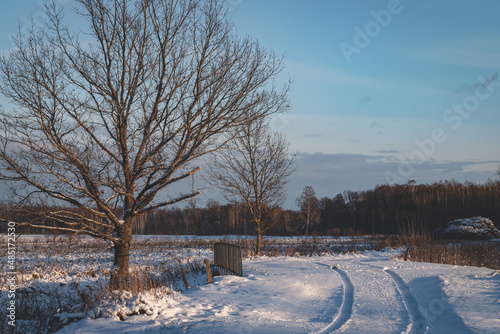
(397, 108)
(419, 98)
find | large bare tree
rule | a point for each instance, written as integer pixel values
(106, 119)
(254, 169)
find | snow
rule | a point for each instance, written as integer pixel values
(370, 292)
(475, 227)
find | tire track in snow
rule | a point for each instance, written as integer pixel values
(417, 320)
(418, 323)
(346, 308)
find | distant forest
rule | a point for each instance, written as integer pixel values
(387, 209)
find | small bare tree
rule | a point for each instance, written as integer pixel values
(309, 207)
(105, 123)
(254, 169)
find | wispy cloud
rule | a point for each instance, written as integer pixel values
(388, 151)
(314, 135)
(328, 75)
(468, 51)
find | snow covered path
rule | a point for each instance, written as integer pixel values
(364, 293)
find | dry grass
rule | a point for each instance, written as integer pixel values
(314, 246)
(458, 252)
(421, 248)
(55, 277)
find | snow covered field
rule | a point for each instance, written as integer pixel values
(353, 293)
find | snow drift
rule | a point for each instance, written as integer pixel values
(469, 228)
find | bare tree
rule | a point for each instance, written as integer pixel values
(309, 207)
(254, 169)
(106, 121)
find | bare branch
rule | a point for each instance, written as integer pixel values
(254, 169)
(112, 122)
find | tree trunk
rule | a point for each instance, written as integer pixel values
(120, 274)
(258, 243)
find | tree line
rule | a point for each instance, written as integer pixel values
(386, 209)
(391, 209)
